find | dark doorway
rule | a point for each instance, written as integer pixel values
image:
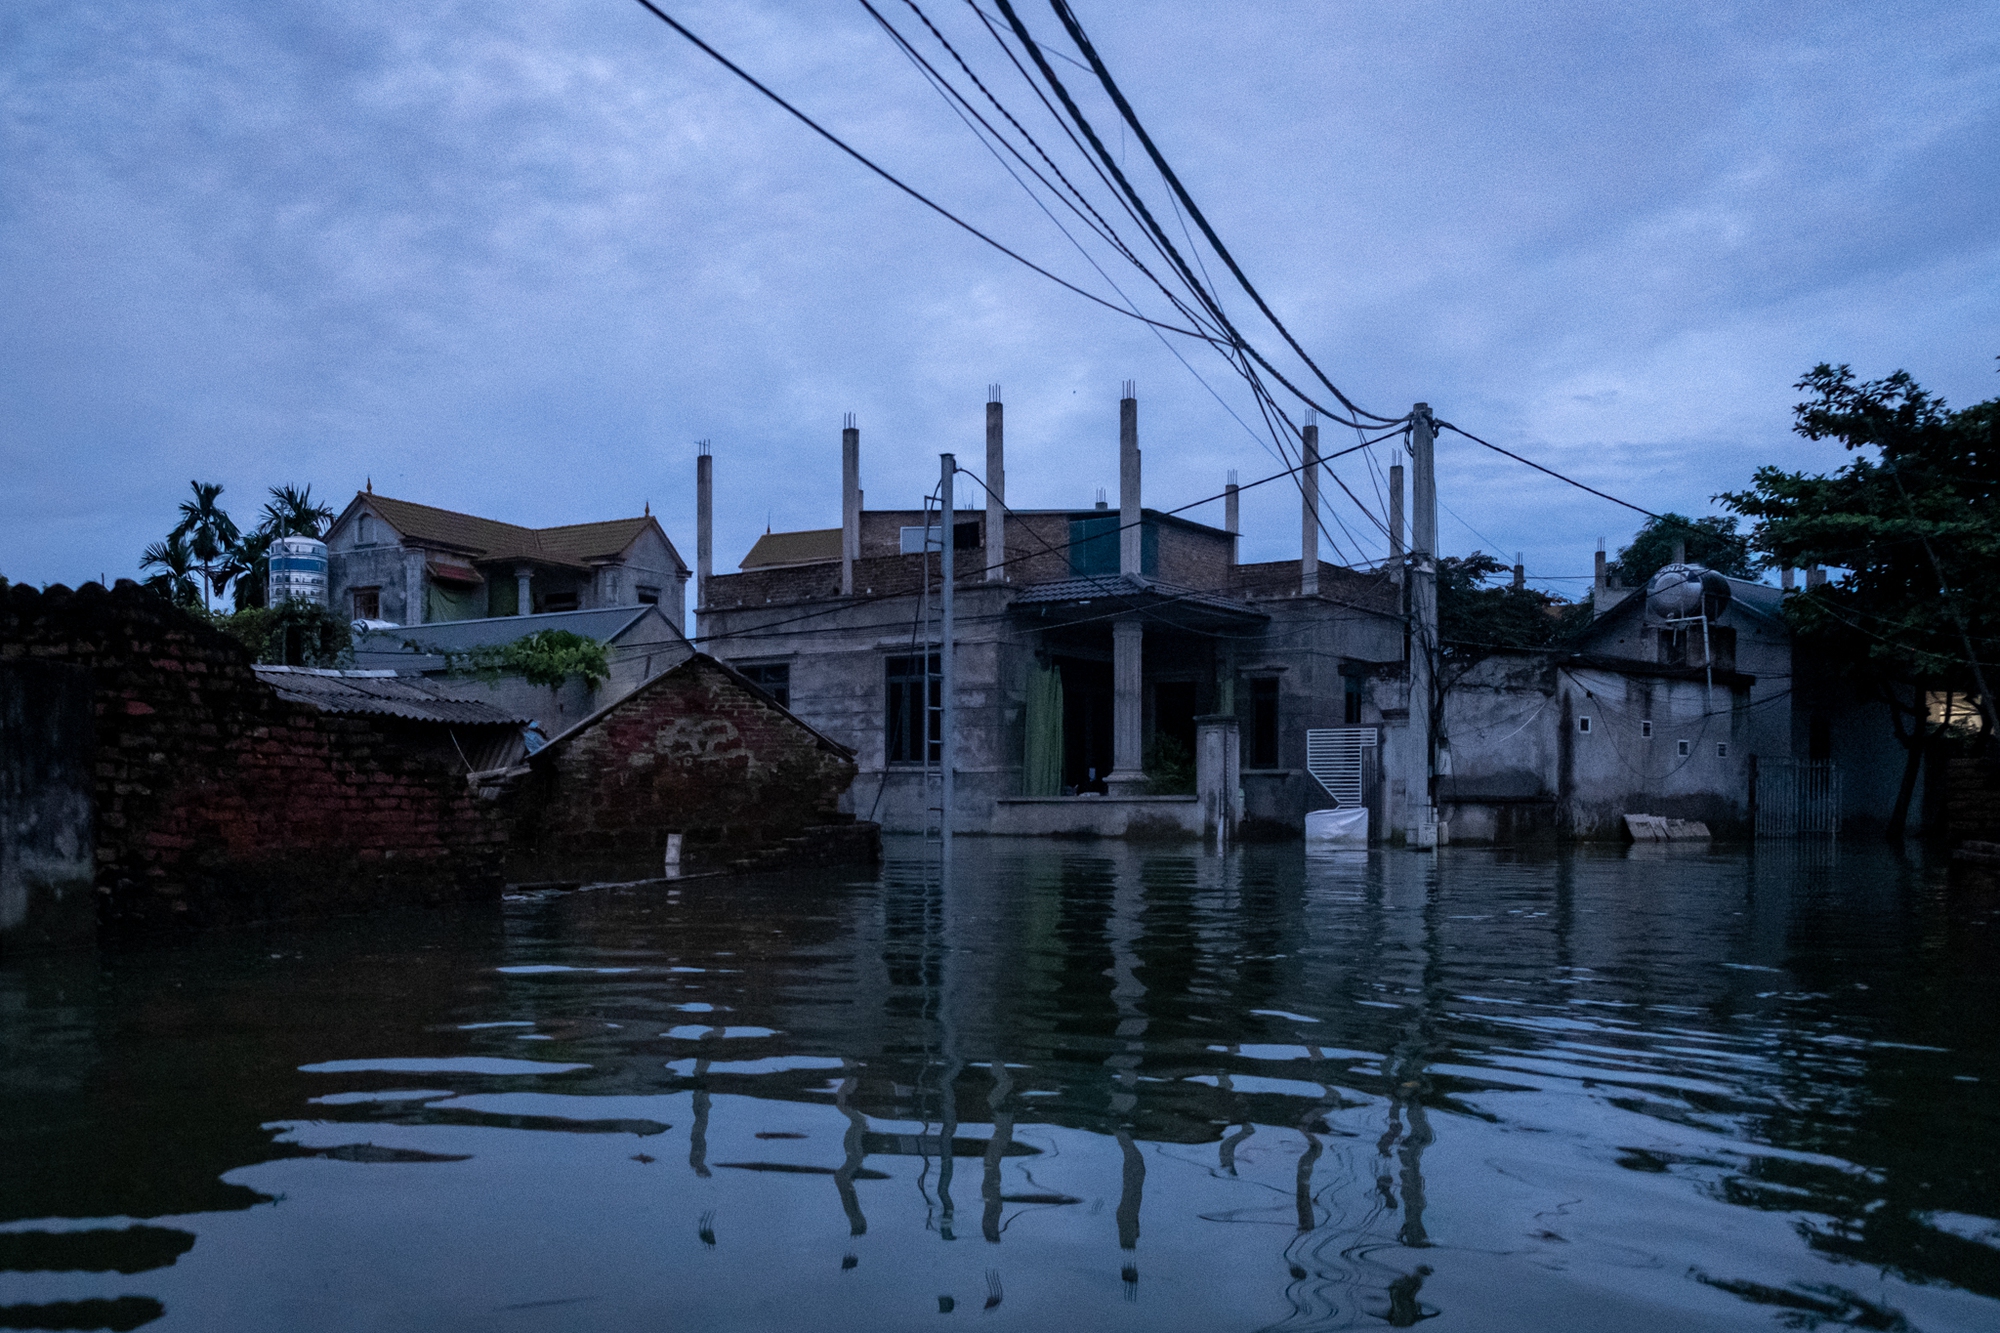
(1086, 723)
(1173, 713)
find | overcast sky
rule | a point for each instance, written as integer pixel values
(516, 258)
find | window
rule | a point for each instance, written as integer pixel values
(914, 693)
(1353, 713)
(1583, 726)
(917, 540)
(1094, 545)
(648, 596)
(774, 678)
(1681, 747)
(364, 530)
(1819, 739)
(367, 603)
(559, 601)
(1264, 722)
(1645, 731)
(1722, 749)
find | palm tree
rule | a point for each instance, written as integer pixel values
(210, 534)
(177, 569)
(292, 512)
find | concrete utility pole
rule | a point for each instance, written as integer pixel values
(1309, 508)
(850, 503)
(704, 524)
(1420, 793)
(996, 487)
(947, 667)
(1128, 632)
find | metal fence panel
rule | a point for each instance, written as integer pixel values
(1797, 799)
(1334, 757)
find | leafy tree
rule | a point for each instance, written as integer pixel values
(546, 657)
(211, 535)
(1475, 620)
(1712, 543)
(1912, 525)
(292, 634)
(175, 563)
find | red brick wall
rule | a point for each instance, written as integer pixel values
(693, 752)
(218, 801)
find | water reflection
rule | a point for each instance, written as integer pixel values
(1250, 1091)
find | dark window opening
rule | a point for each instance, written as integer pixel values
(648, 596)
(559, 601)
(1087, 710)
(1353, 714)
(1264, 722)
(915, 695)
(965, 536)
(1819, 740)
(367, 603)
(774, 678)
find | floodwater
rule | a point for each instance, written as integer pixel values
(1059, 1086)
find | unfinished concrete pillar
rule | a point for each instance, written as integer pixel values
(1309, 509)
(996, 487)
(1520, 573)
(413, 587)
(524, 597)
(1232, 518)
(704, 522)
(1131, 547)
(1127, 776)
(1785, 578)
(1396, 514)
(1218, 781)
(850, 503)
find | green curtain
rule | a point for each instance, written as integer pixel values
(1041, 764)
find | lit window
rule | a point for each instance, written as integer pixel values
(1681, 747)
(1583, 725)
(1646, 730)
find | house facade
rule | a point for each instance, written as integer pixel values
(412, 564)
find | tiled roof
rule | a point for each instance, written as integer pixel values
(381, 694)
(576, 544)
(793, 548)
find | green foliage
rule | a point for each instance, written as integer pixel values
(546, 657)
(211, 535)
(1475, 620)
(292, 634)
(1169, 765)
(1713, 543)
(290, 512)
(1920, 500)
(175, 563)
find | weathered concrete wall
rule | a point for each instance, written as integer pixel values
(47, 852)
(1161, 818)
(215, 800)
(700, 752)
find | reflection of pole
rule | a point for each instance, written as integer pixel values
(1419, 779)
(1131, 1190)
(996, 1150)
(948, 743)
(843, 1175)
(698, 1135)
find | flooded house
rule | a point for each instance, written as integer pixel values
(1098, 649)
(415, 564)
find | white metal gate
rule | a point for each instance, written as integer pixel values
(1797, 799)
(1335, 757)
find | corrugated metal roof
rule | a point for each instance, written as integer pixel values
(381, 694)
(604, 623)
(811, 547)
(1126, 587)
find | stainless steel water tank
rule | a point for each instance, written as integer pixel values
(1682, 592)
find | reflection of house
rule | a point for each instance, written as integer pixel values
(414, 564)
(697, 750)
(639, 643)
(1085, 654)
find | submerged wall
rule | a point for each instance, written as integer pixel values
(214, 800)
(47, 852)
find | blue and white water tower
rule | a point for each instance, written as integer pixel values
(298, 570)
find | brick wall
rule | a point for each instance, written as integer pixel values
(218, 801)
(697, 751)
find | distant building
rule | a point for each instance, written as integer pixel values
(414, 564)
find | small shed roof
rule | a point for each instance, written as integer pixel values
(381, 694)
(810, 547)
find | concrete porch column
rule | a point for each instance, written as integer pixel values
(524, 602)
(1218, 779)
(1127, 776)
